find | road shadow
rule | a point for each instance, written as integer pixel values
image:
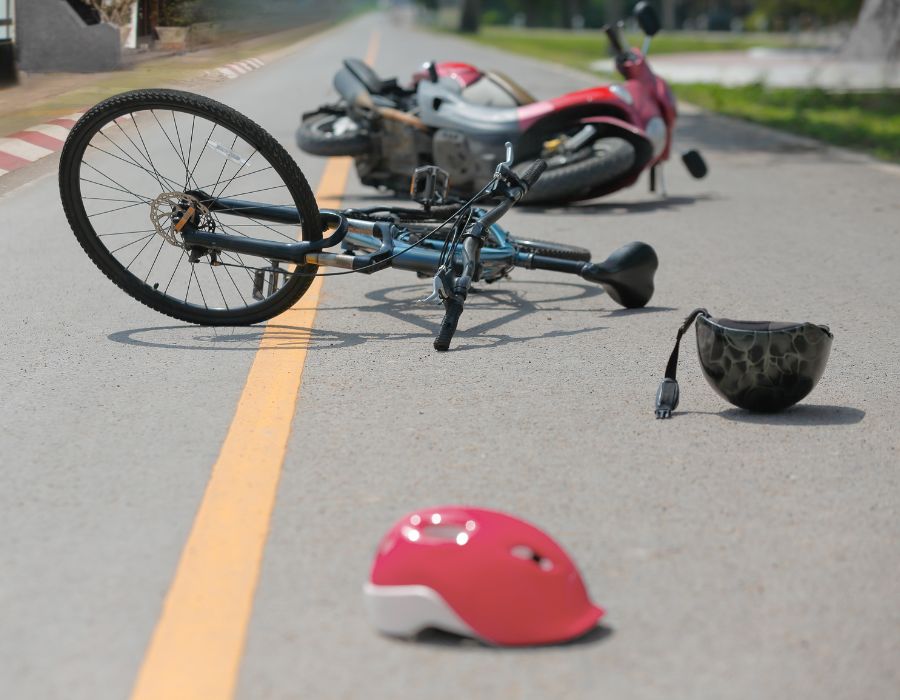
(651, 204)
(439, 638)
(798, 415)
(421, 322)
(801, 414)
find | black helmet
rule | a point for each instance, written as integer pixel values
(757, 365)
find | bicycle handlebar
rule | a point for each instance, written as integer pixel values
(534, 172)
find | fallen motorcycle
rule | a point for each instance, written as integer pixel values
(457, 117)
(196, 211)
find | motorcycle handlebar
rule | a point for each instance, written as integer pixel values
(612, 31)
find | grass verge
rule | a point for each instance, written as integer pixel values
(868, 121)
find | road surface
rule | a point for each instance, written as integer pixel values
(738, 556)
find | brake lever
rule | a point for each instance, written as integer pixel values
(439, 288)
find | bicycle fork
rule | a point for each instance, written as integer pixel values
(453, 290)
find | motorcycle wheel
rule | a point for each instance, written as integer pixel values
(609, 159)
(332, 135)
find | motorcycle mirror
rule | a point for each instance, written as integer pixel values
(432, 71)
(694, 163)
(647, 18)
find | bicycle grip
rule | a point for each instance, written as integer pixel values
(454, 310)
(534, 172)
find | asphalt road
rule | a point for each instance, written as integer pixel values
(738, 556)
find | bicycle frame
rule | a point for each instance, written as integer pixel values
(358, 234)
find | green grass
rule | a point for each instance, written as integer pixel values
(865, 121)
(580, 49)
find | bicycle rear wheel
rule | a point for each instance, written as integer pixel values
(131, 167)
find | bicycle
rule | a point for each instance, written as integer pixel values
(177, 154)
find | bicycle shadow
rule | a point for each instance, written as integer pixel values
(505, 306)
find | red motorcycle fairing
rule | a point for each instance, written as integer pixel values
(463, 73)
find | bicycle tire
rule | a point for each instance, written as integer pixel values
(550, 249)
(128, 105)
(611, 158)
(315, 137)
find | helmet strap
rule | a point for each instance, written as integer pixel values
(668, 393)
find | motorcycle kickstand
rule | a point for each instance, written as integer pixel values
(658, 181)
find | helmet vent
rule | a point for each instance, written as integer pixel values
(525, 552)
(452, 532)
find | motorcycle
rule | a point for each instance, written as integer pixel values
(457, 117)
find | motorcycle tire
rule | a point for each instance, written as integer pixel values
(549, 249)
(611, 158)
(316, 135)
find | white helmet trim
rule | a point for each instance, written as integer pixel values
(404, 611)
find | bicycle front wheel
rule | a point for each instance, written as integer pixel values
(132, 168)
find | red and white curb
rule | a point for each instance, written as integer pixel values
(36, 142)
(233, 70)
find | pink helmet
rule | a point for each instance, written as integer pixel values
(479, 573)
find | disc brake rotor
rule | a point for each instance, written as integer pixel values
(170, 209)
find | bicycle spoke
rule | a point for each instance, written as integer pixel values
(254, 172)
(144, 155)
(153, 264)
(222, 293)
(143, 248)
(237, 289)
(123, 188)
(137, 240)
(199, 288)
(125, 233)
(180, 258)
(133, 163)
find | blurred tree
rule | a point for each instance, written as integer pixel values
(614, 10)
(470, 16)
(668, 14)
(570, 10)
(877, 31)
(827, 11)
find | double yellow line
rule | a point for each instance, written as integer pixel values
(196, 648)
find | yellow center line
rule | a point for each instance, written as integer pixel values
(196, 648)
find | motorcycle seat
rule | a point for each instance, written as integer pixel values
(368, 77)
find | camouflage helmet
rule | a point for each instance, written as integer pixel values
(757, 365)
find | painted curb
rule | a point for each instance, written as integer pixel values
(234, 70)
(36, 142)
(30, 145)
